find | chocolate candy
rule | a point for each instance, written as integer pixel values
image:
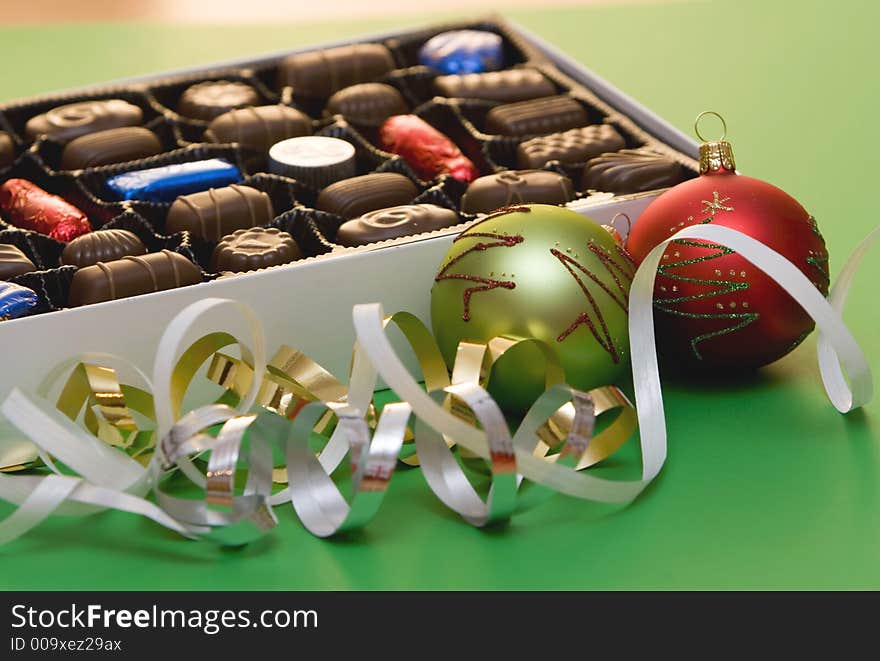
(463, 51)
(631, 171)
(321, 73)
(75, 119)
(7, 150)
(572, 146)
(13, 262)
(16, 301)
(369, 104)
(536, 117)
(258, 127)
(394, 222)
(102, 246)
(255, 248)
(516, 187)
(215, 213)
(165, 183)
(425, 149)
(504, 86)
(214, 97)
(131, 276)
(30, 207)
(111, 146)
(352, 197)
(314, 159)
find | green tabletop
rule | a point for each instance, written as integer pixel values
(766, 485)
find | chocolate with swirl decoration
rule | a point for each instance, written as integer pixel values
(511, 187)
(393, 222)
(132, 276)
(214, 213)
(254, 248)
(212, 98)
(75, 119)
(631, 171)
(102, 246)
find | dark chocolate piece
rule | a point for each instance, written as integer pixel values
(463, 51)
(132, 276)
(369, 104)
(13, 262)
(505, 86)
(394, 222)
(537, 116)
(214, 213)
(315, 159)
(102, 246)
(353, 197)
(631, 171)
(16, 300)
(166, 182)
(7, 150)
(255, 248)
(75, 119)
(127, 143)
(258, 127)
(516, 187)
(321, 73)
(572, 146)
(28, 206)
(214, 97)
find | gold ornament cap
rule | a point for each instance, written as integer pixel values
(715, 155)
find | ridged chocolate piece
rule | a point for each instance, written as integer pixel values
(353, 197)
(214, 213)
(259, 127)
(321, 73)
(369, 104)
(13, 262)
(214, 97)
(397, 221)
(572, 146)
(132, 276)
(255, 248)
(505, 86)
(537, 116)
(516, 187)
(631, 171)
(127, 143)
(102, 246)
(75, 119)
(7, 150)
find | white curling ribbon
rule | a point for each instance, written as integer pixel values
(111, 480)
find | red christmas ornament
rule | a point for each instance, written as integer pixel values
(425, 149)
(30, 207)
(712, 307)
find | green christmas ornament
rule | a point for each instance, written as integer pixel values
(542, 272)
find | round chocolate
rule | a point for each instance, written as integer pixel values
(369, 104)
(393, 222)
(314, 159)
(259, 127)
(255, 248)
(214, 97)
(7, 150)
(76, 119)
(101, 246)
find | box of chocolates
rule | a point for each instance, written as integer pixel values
(301, 183)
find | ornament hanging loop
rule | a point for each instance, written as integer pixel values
(713, 114)
(619, 214)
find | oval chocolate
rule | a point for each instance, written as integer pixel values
(75, 119)
(631, 171)
(369, 104)
(214, 97)
(214, 213)
(259, 127)
(127, 143)
(102, 246)
(13, 262)
(394, 222)
(352, 197)
(516, 187)
(320, 73)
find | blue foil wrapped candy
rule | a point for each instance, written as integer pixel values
(463, 51)
(15, 300)
(166, 183)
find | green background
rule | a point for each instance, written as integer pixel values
(766, 485)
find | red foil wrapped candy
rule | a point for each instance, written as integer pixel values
(425, 149)
(28, 206)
